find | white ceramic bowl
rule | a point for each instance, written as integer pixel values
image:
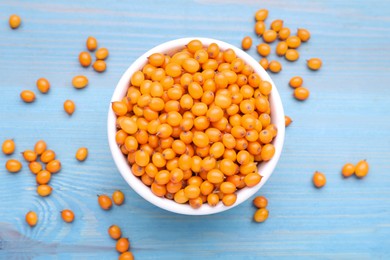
(265, 169)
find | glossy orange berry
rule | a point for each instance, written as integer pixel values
(99, 65)
(287, 121)
(284, 33)
(126, 256)
(275, 66)
(67, 215)
(53, 166)
(104, 202)
(114, 232)
(263, 49)
(122, 245)
(27, 96)
(13, 165)
(44, 190)
(31, 218)
(296, 82)
(82, 154)
(293, 42)
(277, 25)
(260, 202)
(213, 50)
(215, 176)
(101, 54)
(348, 170)
(261, 14)
(194, 45)
(291, 55)
(267, 152)
(29, 155)
(269, 36)
(91, 43)
(85, 59)
(43, 85)
(43, 177)
(264, 63)
(35, 167)
(301, 93)
(303, 34)
(80, 81)
(118, 197)
(260, 215)
(361, 169)
(252, 179)
(14, 21)
(8, 147)
(246, 43)
(229, 199)
(314, 63)
(281, 48)
(319, 179)
(213, 199)
(69, 107)
(259, 28)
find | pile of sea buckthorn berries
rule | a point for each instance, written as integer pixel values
(195, 124)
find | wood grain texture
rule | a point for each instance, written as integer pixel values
(345, 119)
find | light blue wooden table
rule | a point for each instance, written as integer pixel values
(345, 119)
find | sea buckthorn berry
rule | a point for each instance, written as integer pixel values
(35, 167)
(276, 25)
(194, 45)
(99, 66)
(264, 63)
(263, 49)
(284, 33)
(192, 191)
(361, 169)
(31, 218)
(301, 93)
(246, 43)
(287, 121)
(137, 78)
(213, 50)
(122, 245)
(260, 215)
(303, 34)
(118, 197)
(47, 156)
(43, 177)
(14, 21)
(228, 167)
(201, 56)
(215, 176)
(260, 202)
(259, 28)
(70, 107)
(293, 42)
(13, 165)
(114, 232)
(227, 187)
(252, 179)
(27, 96)
(104, 202)
(8, 147)
(91, 43)
(261, 15)
(265, 88)
(275, 66)
(267, 152)
(348, 170)
(213, 199)
(80, 81)
(126, 256)
(53, 166)
(269, 36)
(291, 55)
(265, 136)
(314, 63)
(281, 48)
(156, 59)
(128, 125)
(101, 54)
(229, 199)
(85, 59)
(158, 190)
(296, 82)
(43, 85)
(319, 179)
(196, 203)
(67, 215)
(29, 155)
(44, 190)
(180, 197)
(82, 154)
(173, 69)
(190, 65)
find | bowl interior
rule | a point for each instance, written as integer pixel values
(265, 169)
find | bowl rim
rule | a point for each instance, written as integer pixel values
(266, 169)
